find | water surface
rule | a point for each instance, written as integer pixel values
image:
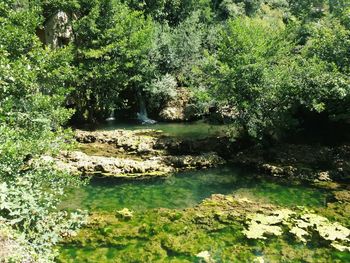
(188, 189)
(198, 129)
(179, 191)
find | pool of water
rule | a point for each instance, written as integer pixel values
(188, 189)
(116, 242)
(189, 130)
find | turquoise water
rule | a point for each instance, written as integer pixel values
(188, 189)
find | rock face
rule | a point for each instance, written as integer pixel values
(180, 107)
(58, 30)
(132, 154)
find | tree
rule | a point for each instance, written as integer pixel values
(32, 94)
(235, 76)
(111, 53)
(259, 72)
(173, 12)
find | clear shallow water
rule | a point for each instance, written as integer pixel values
(188, 189)
(189, 130)
(112, 243)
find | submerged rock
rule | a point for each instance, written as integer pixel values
(258, 230)
(214, 230)
(302, 225)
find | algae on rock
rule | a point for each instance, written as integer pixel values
(301, 225)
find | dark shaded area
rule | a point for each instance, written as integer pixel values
(318, 128)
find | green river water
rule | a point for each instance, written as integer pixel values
(188, 189)
(181, 191)
(198, 129)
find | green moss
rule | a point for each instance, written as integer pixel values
(216, 226)
(105, 150)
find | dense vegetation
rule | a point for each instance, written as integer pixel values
(32, 91)
(272, 62)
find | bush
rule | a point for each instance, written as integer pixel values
(161, 90)
(33, 89)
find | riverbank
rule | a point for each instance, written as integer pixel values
(148, 153)
(138, 154)
(312, 163)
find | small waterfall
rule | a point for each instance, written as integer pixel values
(112, 116)
(142, 115)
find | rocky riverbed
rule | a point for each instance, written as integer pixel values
(236, 227)
(223, 228)
(151, 153)
(137, 154)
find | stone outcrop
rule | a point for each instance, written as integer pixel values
(153, 142)
(140, 141)
(133, 154)
(58, 30)
(180, 107)
(83, 164)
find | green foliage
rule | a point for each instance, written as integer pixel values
(111, 53)
(229, 52)
(173, 12)
(236, 74)
(33, 88)
(308, 9)
(329, 41)
(179, 49)
(256, 72)
(161, 90)
(51, 7)
(29, 204)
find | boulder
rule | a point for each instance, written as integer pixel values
(180, 107)
(58, 30)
